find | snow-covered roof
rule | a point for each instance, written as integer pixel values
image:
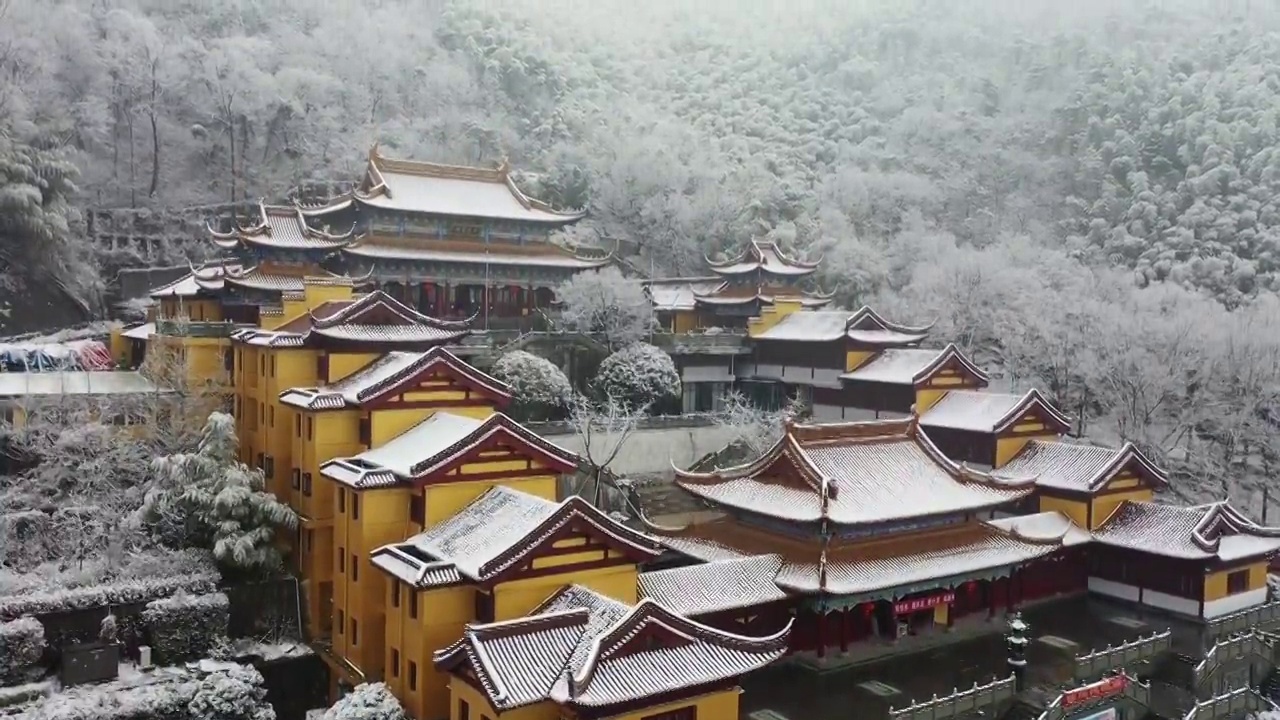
(389, 248)
(855, 473)
(1044, 527)
(679, 293)
(764, 257)
(281, 227)
(715, 586)
(1214, 531)
(439, 443)
(68, 382)
(1080, 468)
(990, 412)
(856, 566)
(810, 326)
(909, 366)
(256, 279)
(140, 332)
(374, 317)
(868, 327)
(583, 649)
(497, 532)
(424, 187)
(199, 280)
(391, 372)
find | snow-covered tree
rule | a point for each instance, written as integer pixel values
(638, 375)
(608, 304)
(540, 388)
(234, 693)
(603, 429)
(209, 498)
(368, 701)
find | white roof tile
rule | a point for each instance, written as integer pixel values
(387, 333)
(424, 440)
(454, 196)
(374, 249)
(715, 586)
(765, 256)
(1202, 532)
(810, 326)
(896, 365)
(484, 529)
(680, 294)
(970, 410)
(1077, 467)
(1044, 526)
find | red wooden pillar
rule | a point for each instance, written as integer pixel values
(822, 633)
(844, 630)
(992, 584)
(1008, 593)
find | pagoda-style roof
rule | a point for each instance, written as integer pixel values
(1082, 468)
(857, 473)
(815, 564)
(992, 413)
(913, 366)
(715, 586)
(540, 255)
(429, 451)
(731, 294)
(373, 318)
(584, 650)
(431, 188)
(671, 294)
(498, 533)
(864, 327)
(204, 281)
(1049, 526)
(281, 227)
(1207, 532)
(765, 258)
(394, 373)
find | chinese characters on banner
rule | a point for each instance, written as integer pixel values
(906, 607)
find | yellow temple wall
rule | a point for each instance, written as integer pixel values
(770, 316)
(684, 321)
(854, 359)
(444, 500)
(343, 364)
(1104, 505)
(1007, 448)
(722, 704)
(1215, 583)
(442, 615)
(478, 705)
(516, 598)
(1074, 509)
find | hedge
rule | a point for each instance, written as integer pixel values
(186, 627)
(122, 592)
(21, 646)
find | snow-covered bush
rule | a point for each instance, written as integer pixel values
(21, 645)
(109, 630)
(368, 701)
(210, 499)
(134, 578)
(538, 387)
(235, 693)
(186, 627)
(162, 700)
(638, 375)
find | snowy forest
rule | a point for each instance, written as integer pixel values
(1086, 195)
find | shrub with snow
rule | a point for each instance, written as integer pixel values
(539, 388)
(21, 646)
(235, 693)
(368, 701)
(606, 303)
(186, 627)
(638, 375)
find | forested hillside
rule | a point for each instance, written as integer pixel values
(1084, 194)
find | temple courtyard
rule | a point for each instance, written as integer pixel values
(869, 687)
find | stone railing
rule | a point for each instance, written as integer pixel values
(197, 328)
(1243, 621)
(1234, 648)
(959, 702)
(1076, 700)
(701, 343)
(657, 422)
(1232, 703)
(1094, 664)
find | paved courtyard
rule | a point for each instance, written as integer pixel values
(1059, 630)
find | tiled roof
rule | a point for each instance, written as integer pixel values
(856, 566)
(1203, 532)
(813, 326)
(376, 248)
(908, 366)
(1079, 468)
(679, 293)
(581, 649)
(766, 257)
(1044, 527)
(413, 334)
(435, 444)
(727, 295)
(868, 327)
(255, 279)
(855, 473)
(199, 279)
(375, 317)
(715, 586)
(388, 374)
(989, 412)
(496, 531)
(451, 190)
(284, 227)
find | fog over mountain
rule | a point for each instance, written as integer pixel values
(1085, 195)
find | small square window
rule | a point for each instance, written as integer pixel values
(341, 622)
(413, 675)
(306, 484)
(395, 594)
(355, 506)
(342, 500)
(342, 560)
(355, 632)
(355, 568)
(395, 662)
(413, 605)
